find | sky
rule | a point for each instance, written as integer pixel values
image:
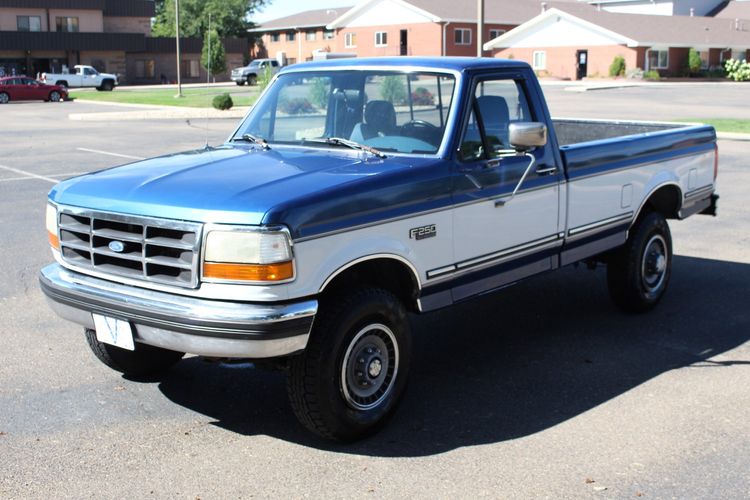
(283, 8)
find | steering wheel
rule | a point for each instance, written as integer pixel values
(413, 124)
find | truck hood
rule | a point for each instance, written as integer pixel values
(235, 184)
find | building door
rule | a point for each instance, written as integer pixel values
(403, 43)
(582, 64)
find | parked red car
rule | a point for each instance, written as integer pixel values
(21, 88)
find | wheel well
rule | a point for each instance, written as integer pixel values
(666, 200)
(62, 82)
(387, 273)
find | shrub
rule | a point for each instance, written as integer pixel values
(617, 68)
(635, 74)
(222, 101)
(694, 62)
(652, 76)
(393, 89)
(737, 70)
(422, 97)
(319, 91)
(295, 106)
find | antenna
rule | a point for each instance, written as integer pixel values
(208, 74)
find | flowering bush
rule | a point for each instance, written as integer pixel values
(737, 70)
(422, 97)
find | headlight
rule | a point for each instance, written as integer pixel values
(248, 254)
(51, 223)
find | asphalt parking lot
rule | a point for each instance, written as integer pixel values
(544, 390)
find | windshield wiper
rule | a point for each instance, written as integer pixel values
(254, 139)
(338, 141)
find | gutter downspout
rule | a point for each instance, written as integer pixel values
(445, 28)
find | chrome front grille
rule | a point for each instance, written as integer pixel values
(151, 249)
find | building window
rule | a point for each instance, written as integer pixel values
(29, 23)
(539, 60)
(462, 36)
(350, 40)
(67, 24)
(328, 35)
(275, 37)
(381, 39)
(658, 59)
(144, 68)
(496, 33)
(310, 36)
(190, 68)
(290, 36)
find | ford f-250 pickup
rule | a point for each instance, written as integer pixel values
(353, 193)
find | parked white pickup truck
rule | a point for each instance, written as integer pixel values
(356, 191)
(84, 76)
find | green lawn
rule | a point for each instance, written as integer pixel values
(192, 97)
(723, 124)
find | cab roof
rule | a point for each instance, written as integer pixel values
(438, 63)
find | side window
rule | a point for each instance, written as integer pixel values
(496, 104)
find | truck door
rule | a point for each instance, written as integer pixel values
(498, 240)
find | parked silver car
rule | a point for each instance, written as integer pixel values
(249, 74)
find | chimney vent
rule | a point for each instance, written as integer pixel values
(544, 7)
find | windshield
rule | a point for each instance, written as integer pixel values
(254, 64)
(387, 110)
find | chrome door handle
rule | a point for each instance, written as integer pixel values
(545, 171)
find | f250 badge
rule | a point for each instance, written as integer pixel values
(420, 233)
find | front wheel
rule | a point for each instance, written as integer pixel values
(106, 86)
(638, 273)
(146, 360)
(4, 98)
(353, 373)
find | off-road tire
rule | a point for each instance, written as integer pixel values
(637, 277)
(146, 360)
(323, 396)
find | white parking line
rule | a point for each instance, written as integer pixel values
(30, 175)
(61, 176)
(110, 154)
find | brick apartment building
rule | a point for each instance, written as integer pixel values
(39, 36)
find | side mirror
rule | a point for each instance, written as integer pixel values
(525, 136)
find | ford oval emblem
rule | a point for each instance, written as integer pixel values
(116, 246)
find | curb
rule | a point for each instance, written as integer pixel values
(732, 136)
(162, 113)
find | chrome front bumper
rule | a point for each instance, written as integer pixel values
(185, 324)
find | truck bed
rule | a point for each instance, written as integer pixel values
(592, 145)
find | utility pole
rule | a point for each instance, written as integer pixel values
(208, 77)
(480, 26)
(177, 39)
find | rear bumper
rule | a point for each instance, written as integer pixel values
(185, 324)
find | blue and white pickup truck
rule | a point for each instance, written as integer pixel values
(353, 193)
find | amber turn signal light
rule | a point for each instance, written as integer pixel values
(249, 272)
(54, 241)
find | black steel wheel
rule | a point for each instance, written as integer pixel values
(350, 378)
(638, 273)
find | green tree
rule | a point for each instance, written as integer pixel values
(393, 89)
(228, 17)
(617, 68)
(218, 62)
(694, 62)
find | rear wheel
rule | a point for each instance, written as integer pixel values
(252, 80)
(54, 96)
(639, 272)
(350, 378)
(62, 83)
(4, 98)
(145, 360)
